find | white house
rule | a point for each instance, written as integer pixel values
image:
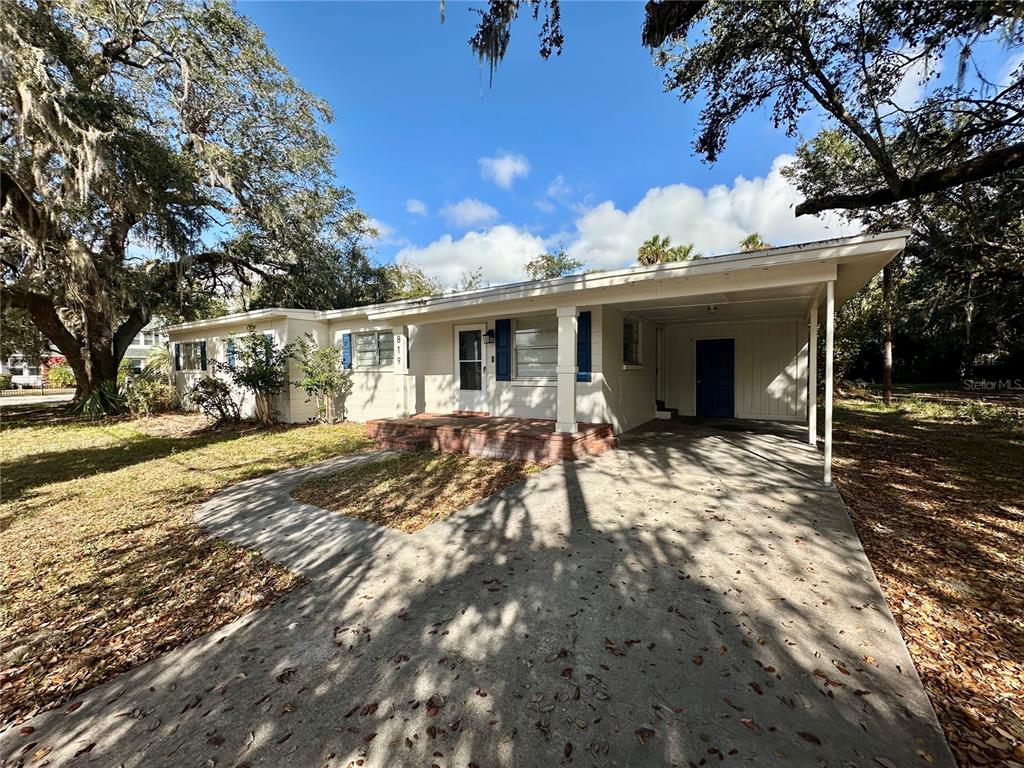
(729, 336)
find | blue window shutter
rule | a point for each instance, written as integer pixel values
(346, 350)
(202, 355)
(503, 350)
(583, 372)
(231, 354)
(177, 357)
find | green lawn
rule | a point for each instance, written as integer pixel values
(936, 491)
(101, 565)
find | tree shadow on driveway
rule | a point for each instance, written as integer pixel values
(641, 608)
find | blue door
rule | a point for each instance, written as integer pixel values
(715, 380)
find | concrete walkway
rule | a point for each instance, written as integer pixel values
(694, 598)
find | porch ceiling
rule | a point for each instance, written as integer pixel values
(761, 304)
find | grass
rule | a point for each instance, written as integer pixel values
(412, 490)
(936, 491)
(101, 564)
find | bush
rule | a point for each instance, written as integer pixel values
(261, 367)
(324, 379)
(213, 397)
(60, 375)
(147, 398)
(100, 403)
(5, 382)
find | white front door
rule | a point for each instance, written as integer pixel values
(470, 368)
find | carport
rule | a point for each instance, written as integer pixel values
(749, 350)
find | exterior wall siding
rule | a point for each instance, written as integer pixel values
(628, 390)
(373, 389)
(771, 371)
(432, 365)
(217, 351)
(771, 366)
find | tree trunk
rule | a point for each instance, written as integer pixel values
(887, 334)
(95, 349)
(967, 358)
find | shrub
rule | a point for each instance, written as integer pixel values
(260, 367)
(213, 397)
(60, 375)
(324, 380)
(5, 382)
(100, 403)
(147, 398)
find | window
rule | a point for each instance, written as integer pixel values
(536, 347)
(374, 349)
(191, 355)
(631, 342)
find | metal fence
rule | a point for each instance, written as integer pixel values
(42, 389)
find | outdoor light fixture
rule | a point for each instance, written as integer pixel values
(489, 336)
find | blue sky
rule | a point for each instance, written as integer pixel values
(585, 150)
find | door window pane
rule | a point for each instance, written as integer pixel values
(470, 375)
(469, 345)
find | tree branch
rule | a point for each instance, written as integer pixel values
(44, 314)
(998, 160)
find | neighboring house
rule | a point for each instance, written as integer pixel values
(30, 372)
(151, 337)
(730, 336)
(27, 373)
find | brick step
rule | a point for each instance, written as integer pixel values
(404, 442)
(499, 439)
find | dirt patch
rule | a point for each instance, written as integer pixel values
(412, 490)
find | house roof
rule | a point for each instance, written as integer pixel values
(850, 261)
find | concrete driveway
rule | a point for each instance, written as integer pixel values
(694, 598)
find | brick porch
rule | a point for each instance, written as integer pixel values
(499, 437)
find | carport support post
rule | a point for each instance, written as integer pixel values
(812, 375)
(830, 327)
(565, 411)
(400, 368)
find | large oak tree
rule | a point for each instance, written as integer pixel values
(151, 150)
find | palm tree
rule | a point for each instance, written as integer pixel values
(754, 242)
(159, 365)
(659, 250)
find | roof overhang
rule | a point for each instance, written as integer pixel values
(850, 261)
(801, 269)
(237, 318)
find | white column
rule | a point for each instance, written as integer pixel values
(566, 371)
(812, 375)
(830, 326)
(400, 367)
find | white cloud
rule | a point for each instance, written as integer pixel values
(504, 168)
(500, 251)
(386, 234)
(558, 188)
(558, 191)
(412, 205)
(1006, 74)
(469, 212)
(714, 220)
